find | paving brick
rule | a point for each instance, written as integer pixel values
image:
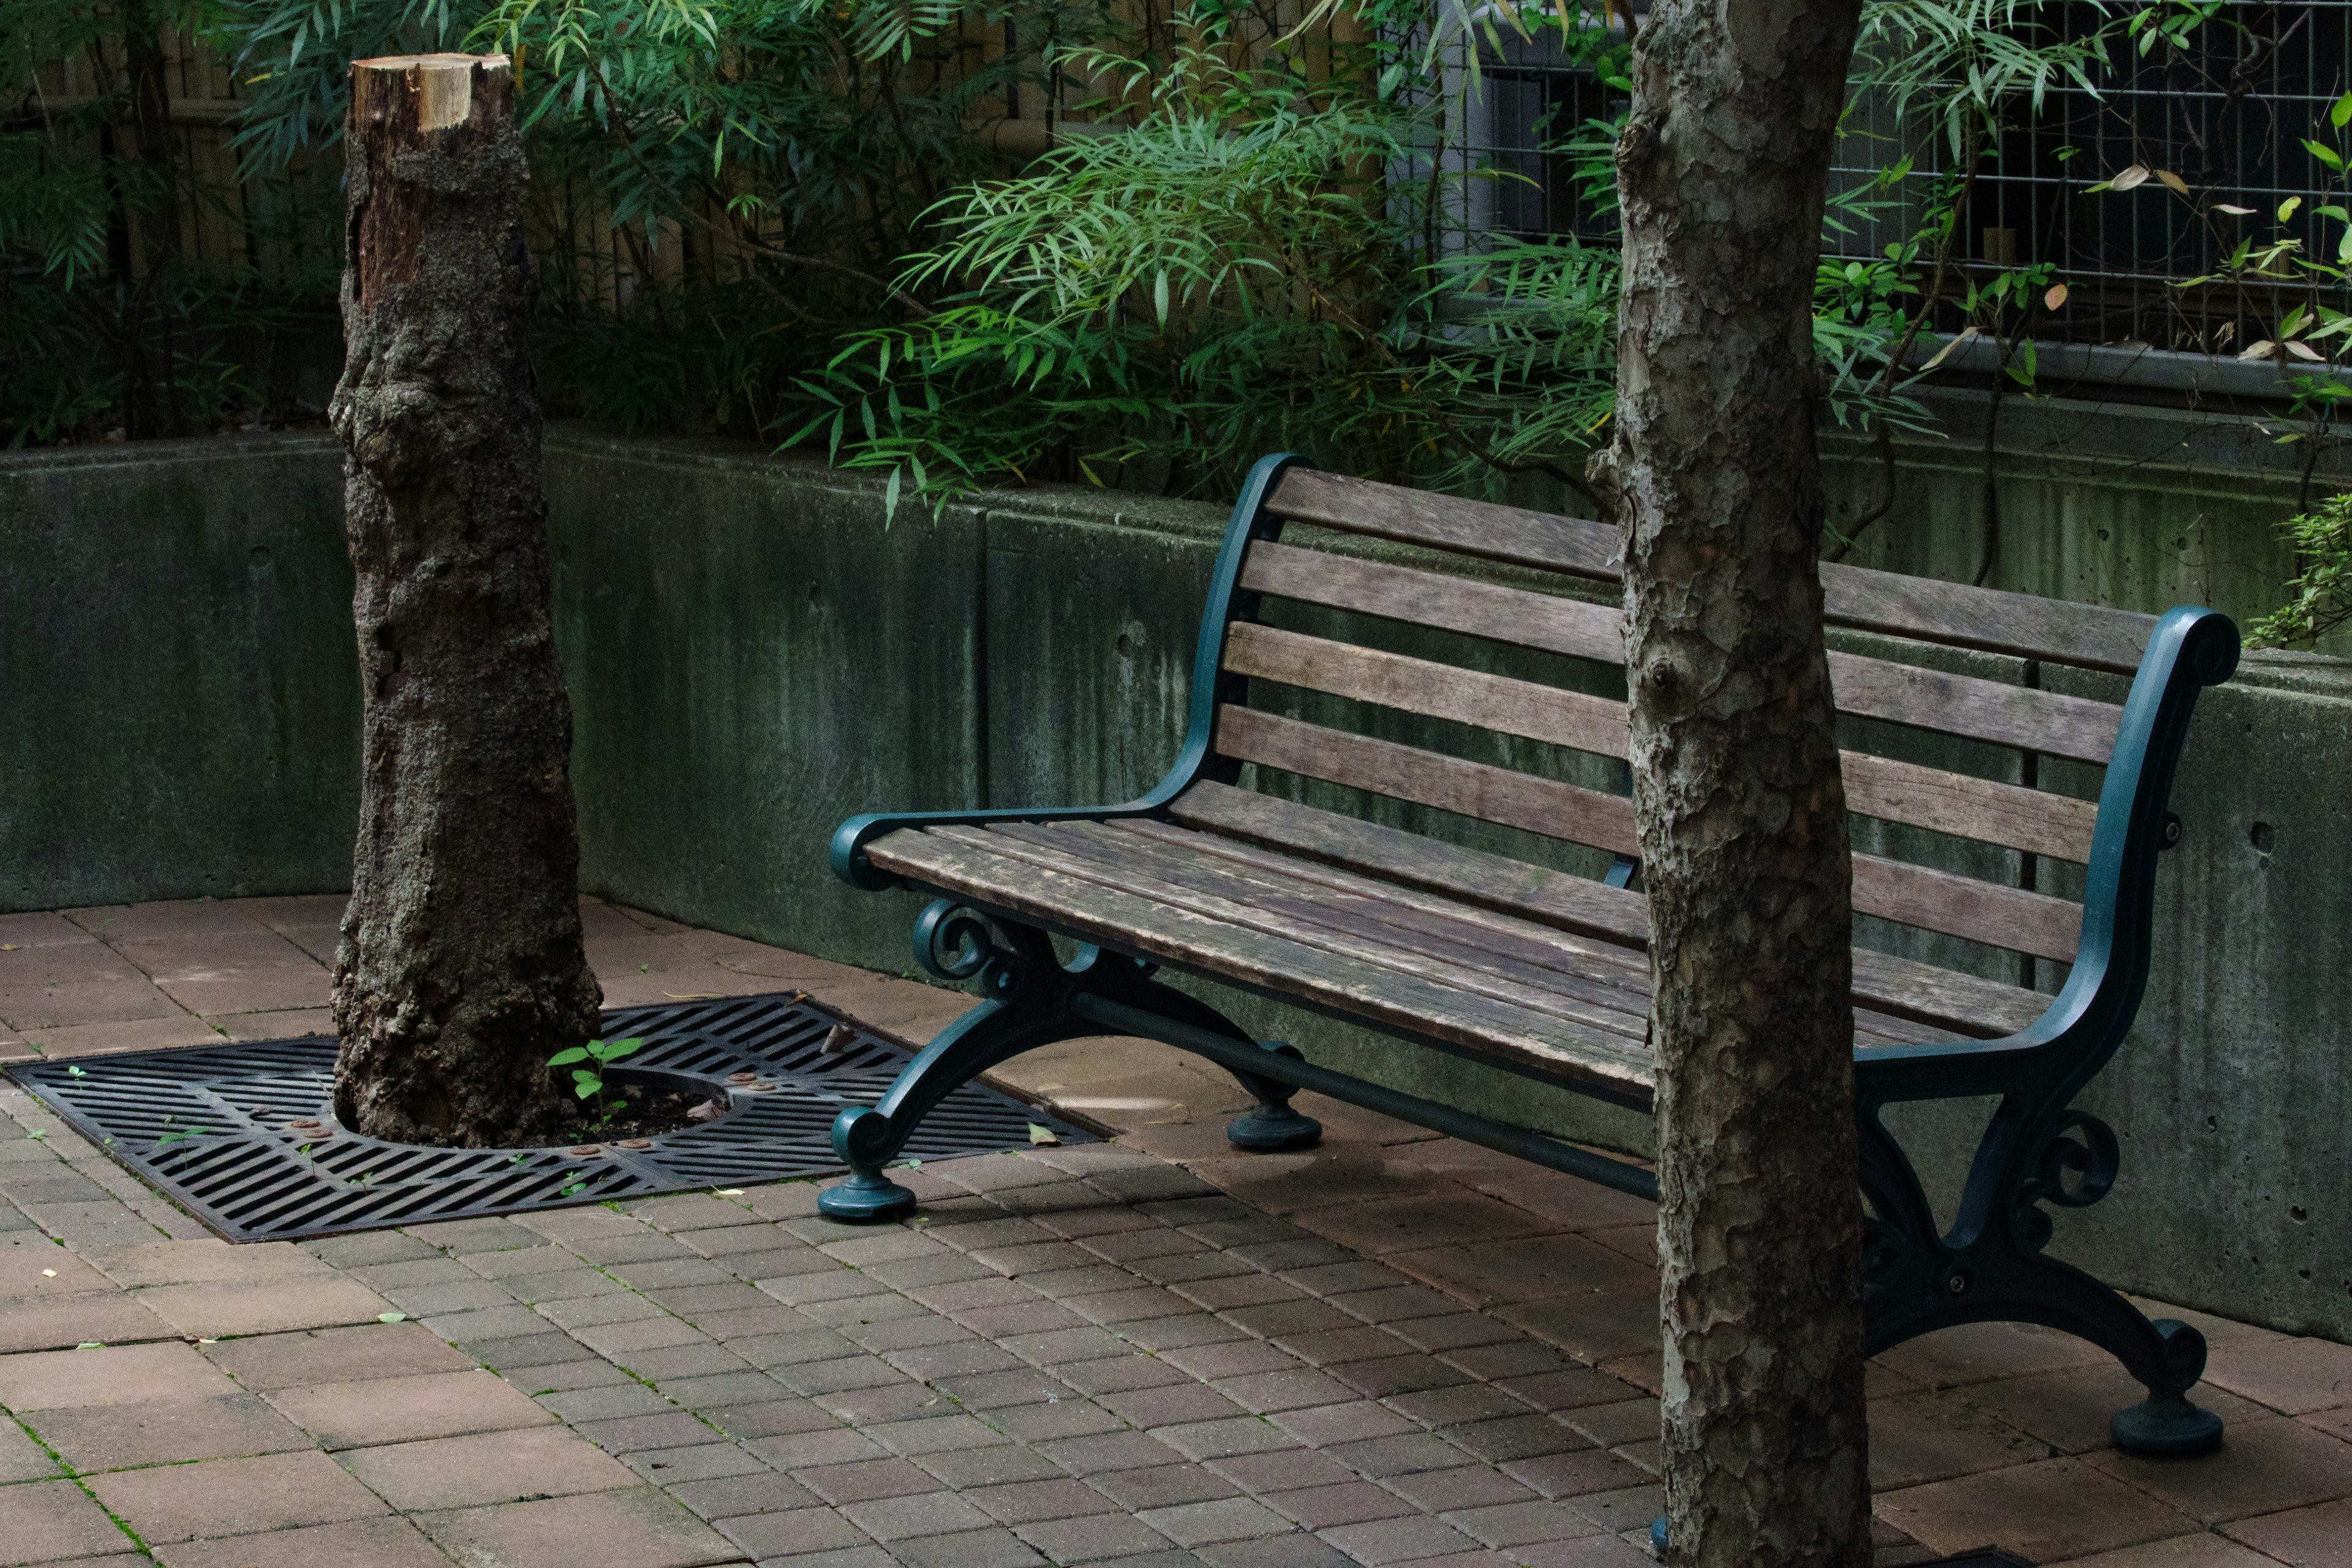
(1163, 1486)
(991, 1548)
(115, 1374)
(1187, 1331)
(2198, 1550)
(1979, 1353)
(2263, 1467)
(788, 1533)
(1391, 1375)
(353, 1543)
(2289, 1375)
(62, 1323)
(798, 1451)
(1092, 1539)
(404, 1409)
(1464, 1486)
(372, 1248)
(49, 1521)
(712, 1390)
(1055, 1418)
(732, 1496)
(1293, 1388)
(638, 1434)
(165, 1431)
(499, 1466)
(1454, 1331)
(335, 1355)
(234, 1497)
(1226, 1519)
(1334, 1424)
(2058, 1509)
(606, 1401)
(1275, 1551)
(1345, 1503)
(671, 1363)
(991, 1465)
(1027, 1502)
(2317, 1537)
(865, 1479)
(21, 1458)
(1231, 1359)
(1522, 1523)
(1385, 1540)
(638, 1528)
(895, 1519)
(1580, 1474)
(219, 1310)
(1169, 1405)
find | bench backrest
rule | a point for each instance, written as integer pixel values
(1246, 664)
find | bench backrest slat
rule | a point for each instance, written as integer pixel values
(1970, 706)
(2090, 636)
(1953, 804)
(1893, 890)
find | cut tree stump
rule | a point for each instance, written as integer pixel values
(460, 970)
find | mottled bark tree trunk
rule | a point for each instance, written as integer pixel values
(1715, 480)
(460, 968)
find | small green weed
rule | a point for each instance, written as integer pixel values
(588, 1083)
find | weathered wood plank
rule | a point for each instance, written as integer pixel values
(1478, 1027)
(1417, 597)
(1957, 803)
(1608, 976)
(1911, 895)
(1981, 710)
(1434, 691)
(1335, 922)
(1987, 810)
(1964, 705)
(1921, 608)
(1478, 528)
(1425, 778)
(1988, 912)
(1962, 1003)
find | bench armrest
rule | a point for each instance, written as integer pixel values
(2191, 648)
(1210, 686)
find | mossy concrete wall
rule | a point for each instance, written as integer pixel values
(753, 656)
(178, 685)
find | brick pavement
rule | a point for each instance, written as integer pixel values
(1395, 1350)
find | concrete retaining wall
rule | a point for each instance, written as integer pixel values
(753, 656)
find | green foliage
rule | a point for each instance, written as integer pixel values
(2320, 595)
(589, 1082)
(105, 320)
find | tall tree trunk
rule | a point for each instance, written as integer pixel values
(1715, 480)
(460, 968)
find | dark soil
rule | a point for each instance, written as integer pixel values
(638, 1111)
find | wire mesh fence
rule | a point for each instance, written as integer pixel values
(2220, 128)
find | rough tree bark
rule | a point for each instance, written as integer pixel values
(1715, 478)
(460, 968)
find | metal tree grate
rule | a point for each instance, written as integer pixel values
(215, 1126)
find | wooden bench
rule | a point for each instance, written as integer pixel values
(1536, 969)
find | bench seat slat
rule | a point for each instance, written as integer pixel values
(1964, 1003)
(1522, 973)
(1956, 613)
(2005, 813)
(1516, 1039)
(2036, 720)
(1893, 890)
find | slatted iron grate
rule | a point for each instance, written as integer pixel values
(211, 1125)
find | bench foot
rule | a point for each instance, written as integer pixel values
(864, 1197)
(1273, 1129)
(2166, 1424)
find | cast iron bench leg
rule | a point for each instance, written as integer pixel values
(1990, 1267)
(1027, 991)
